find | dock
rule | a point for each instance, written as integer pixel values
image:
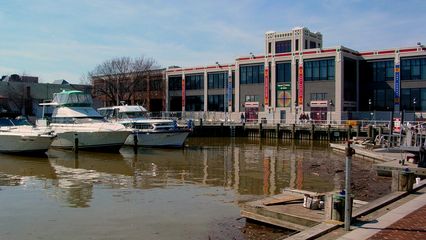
(286, 210)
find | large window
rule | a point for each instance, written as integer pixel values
(413, 69)
(383, 99)
(217, 80)
(175, 83)
(194, 82)
(283, 72)
(215, 103)
(194, 103)
(283, 46)
(251, 74)
(413, 99)
(318, 96)
(319, 70)
(155, 85)
(252, 98)
(380, 71)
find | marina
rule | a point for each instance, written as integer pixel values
(190, 193)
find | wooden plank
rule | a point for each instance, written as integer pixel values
(273, 221)
(282, 200)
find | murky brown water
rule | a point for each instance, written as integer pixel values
(191, 193)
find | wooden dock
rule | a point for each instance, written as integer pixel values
(386, 168)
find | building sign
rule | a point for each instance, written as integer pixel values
(300, 93)
(284, 95)
(397, 84)
(283, 86)
(183, 94)
(266, 88)
(229, 91)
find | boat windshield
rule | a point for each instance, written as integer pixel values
(68, 120)
(14, 122)
(122, 115)
(73, 98)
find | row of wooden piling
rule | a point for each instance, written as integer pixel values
(293, 131)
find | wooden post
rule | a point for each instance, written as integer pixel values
(293, 131)
(312, 131)
(329, 132)
(260, 130)
(135, 142)
(75, 143)
(277, 131)
(349, 132)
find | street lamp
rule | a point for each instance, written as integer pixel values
(369, 108)
(414, 108)
(295, 111)
(331, 104)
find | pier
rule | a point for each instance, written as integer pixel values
(301, 131)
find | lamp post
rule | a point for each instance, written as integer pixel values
(414, 108)
(369, 108)
(295, 111)
(330, 103)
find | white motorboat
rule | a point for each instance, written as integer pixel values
(18, 136)
(75, 121)
(148, 132)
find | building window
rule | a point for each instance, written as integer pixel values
(380, 71)
(269, 47)
(318, 96)
(155, 85)
(194, 82)
(319, 70)
(297, 45)
(283, 46)
(306, 44)
(407, 99)
(216, 103)
(217, 80)
(175, 83)
(251, 74)
(312, 44)
(283, 72)
(194, 103)
(413, 69)
(252, 98)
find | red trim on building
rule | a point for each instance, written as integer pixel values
(283, 54)
(310, 52)
(386, 52)
(242, 59)
(408, 50)
(328, 50)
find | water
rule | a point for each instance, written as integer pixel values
(191, 193)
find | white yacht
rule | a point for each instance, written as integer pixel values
(18, 136)
(74, 118)
(147, 131)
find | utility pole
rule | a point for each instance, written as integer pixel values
(348, 201)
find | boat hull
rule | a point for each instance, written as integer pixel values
(158, 139)
(110, 141)
(19, 144)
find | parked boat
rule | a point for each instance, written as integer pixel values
(147, 131)
(74, 118)
(18, 136)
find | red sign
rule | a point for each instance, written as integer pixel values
(266, 87)
(183, 94)
(300, 93)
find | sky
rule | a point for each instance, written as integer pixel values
(65, 39)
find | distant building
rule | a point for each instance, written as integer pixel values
(22, 95)
(297, 74)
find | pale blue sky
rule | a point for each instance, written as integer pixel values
(59, 39)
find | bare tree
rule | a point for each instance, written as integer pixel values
(117, 79)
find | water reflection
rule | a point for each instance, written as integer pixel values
(14, 170)
(247, 166)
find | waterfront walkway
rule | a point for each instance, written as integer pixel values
(407, 221)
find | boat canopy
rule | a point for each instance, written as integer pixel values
(72, 98)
